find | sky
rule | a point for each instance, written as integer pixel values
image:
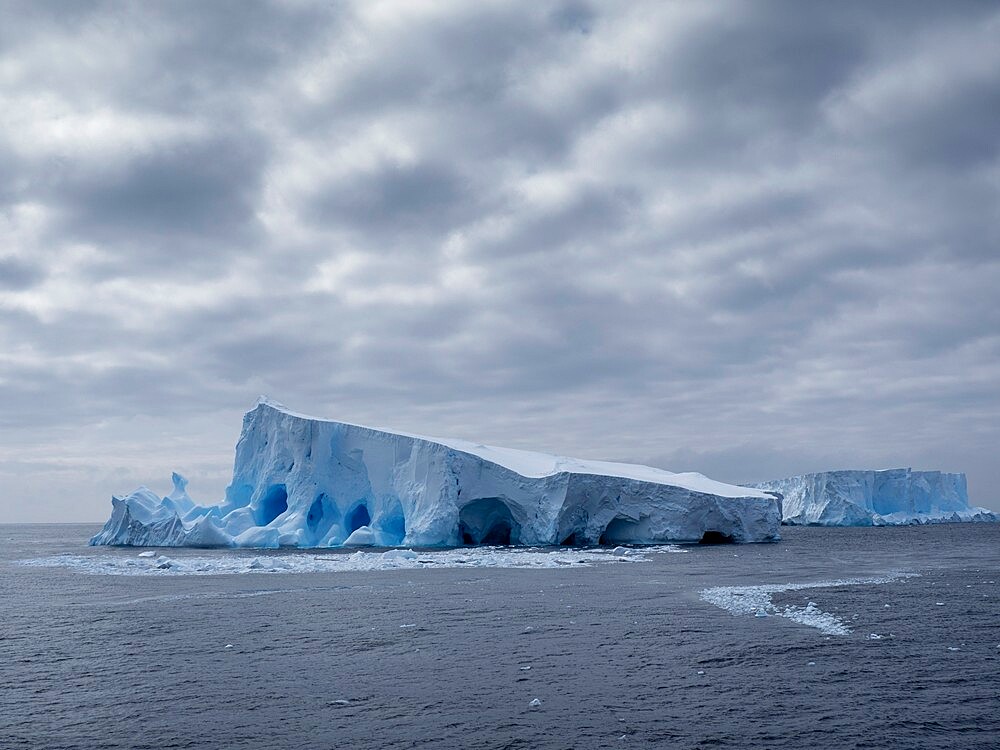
(748, 239)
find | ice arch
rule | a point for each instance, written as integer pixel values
(272, 505)
(320, 517)
(358, 517)
(716, 537)
(622, 530)
(488, 521)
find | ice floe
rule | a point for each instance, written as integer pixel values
(222, 562)
(757, 601)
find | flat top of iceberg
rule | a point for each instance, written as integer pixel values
(532, 464)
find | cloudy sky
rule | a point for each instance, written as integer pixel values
(748, 239)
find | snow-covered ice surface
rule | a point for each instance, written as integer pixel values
(876, 498)
(757, 601)
(309, 483)
(225, 562)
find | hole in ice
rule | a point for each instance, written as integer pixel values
(620, 530)
(570, 541)
(357, 518)
(315, 514)
(716, 537)
(273, 504)
(488, 521)
(322, 514)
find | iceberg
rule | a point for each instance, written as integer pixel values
(875, 498)
(305, 482)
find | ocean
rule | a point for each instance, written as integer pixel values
(832, 638)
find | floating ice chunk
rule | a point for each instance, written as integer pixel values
(761, 613)
(525, 668)
(399, 554)
(342, 702)
(938, 604)
(749, 600)
(620, 551)
(234, 562)
(701, 671)
(875, 637)
(811, 664)
(229, 645)
(363, 536)
(954, 648)
(147, 553)
(409, 625)
(535, 703)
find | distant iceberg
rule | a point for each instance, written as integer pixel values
(305, 482)
(875, 498)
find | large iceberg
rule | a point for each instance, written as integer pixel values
(875, 498)
(305, 482)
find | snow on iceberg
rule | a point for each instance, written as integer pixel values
(305, 482)
(875, 498)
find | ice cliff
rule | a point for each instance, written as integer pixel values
(305, 482)
(875, 498)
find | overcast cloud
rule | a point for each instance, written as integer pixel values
(748, 239)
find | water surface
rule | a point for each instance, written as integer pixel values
(620, 654)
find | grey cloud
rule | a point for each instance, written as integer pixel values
(17, 274)
(775, 62)
(201, 192)
(396, 198)
(778, 280)
(593, 214)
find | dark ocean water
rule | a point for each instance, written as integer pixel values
(621, 655)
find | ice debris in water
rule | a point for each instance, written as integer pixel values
(220, 562)
(400, 554)
(754, 600)
(147, 553)
(535, 703)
